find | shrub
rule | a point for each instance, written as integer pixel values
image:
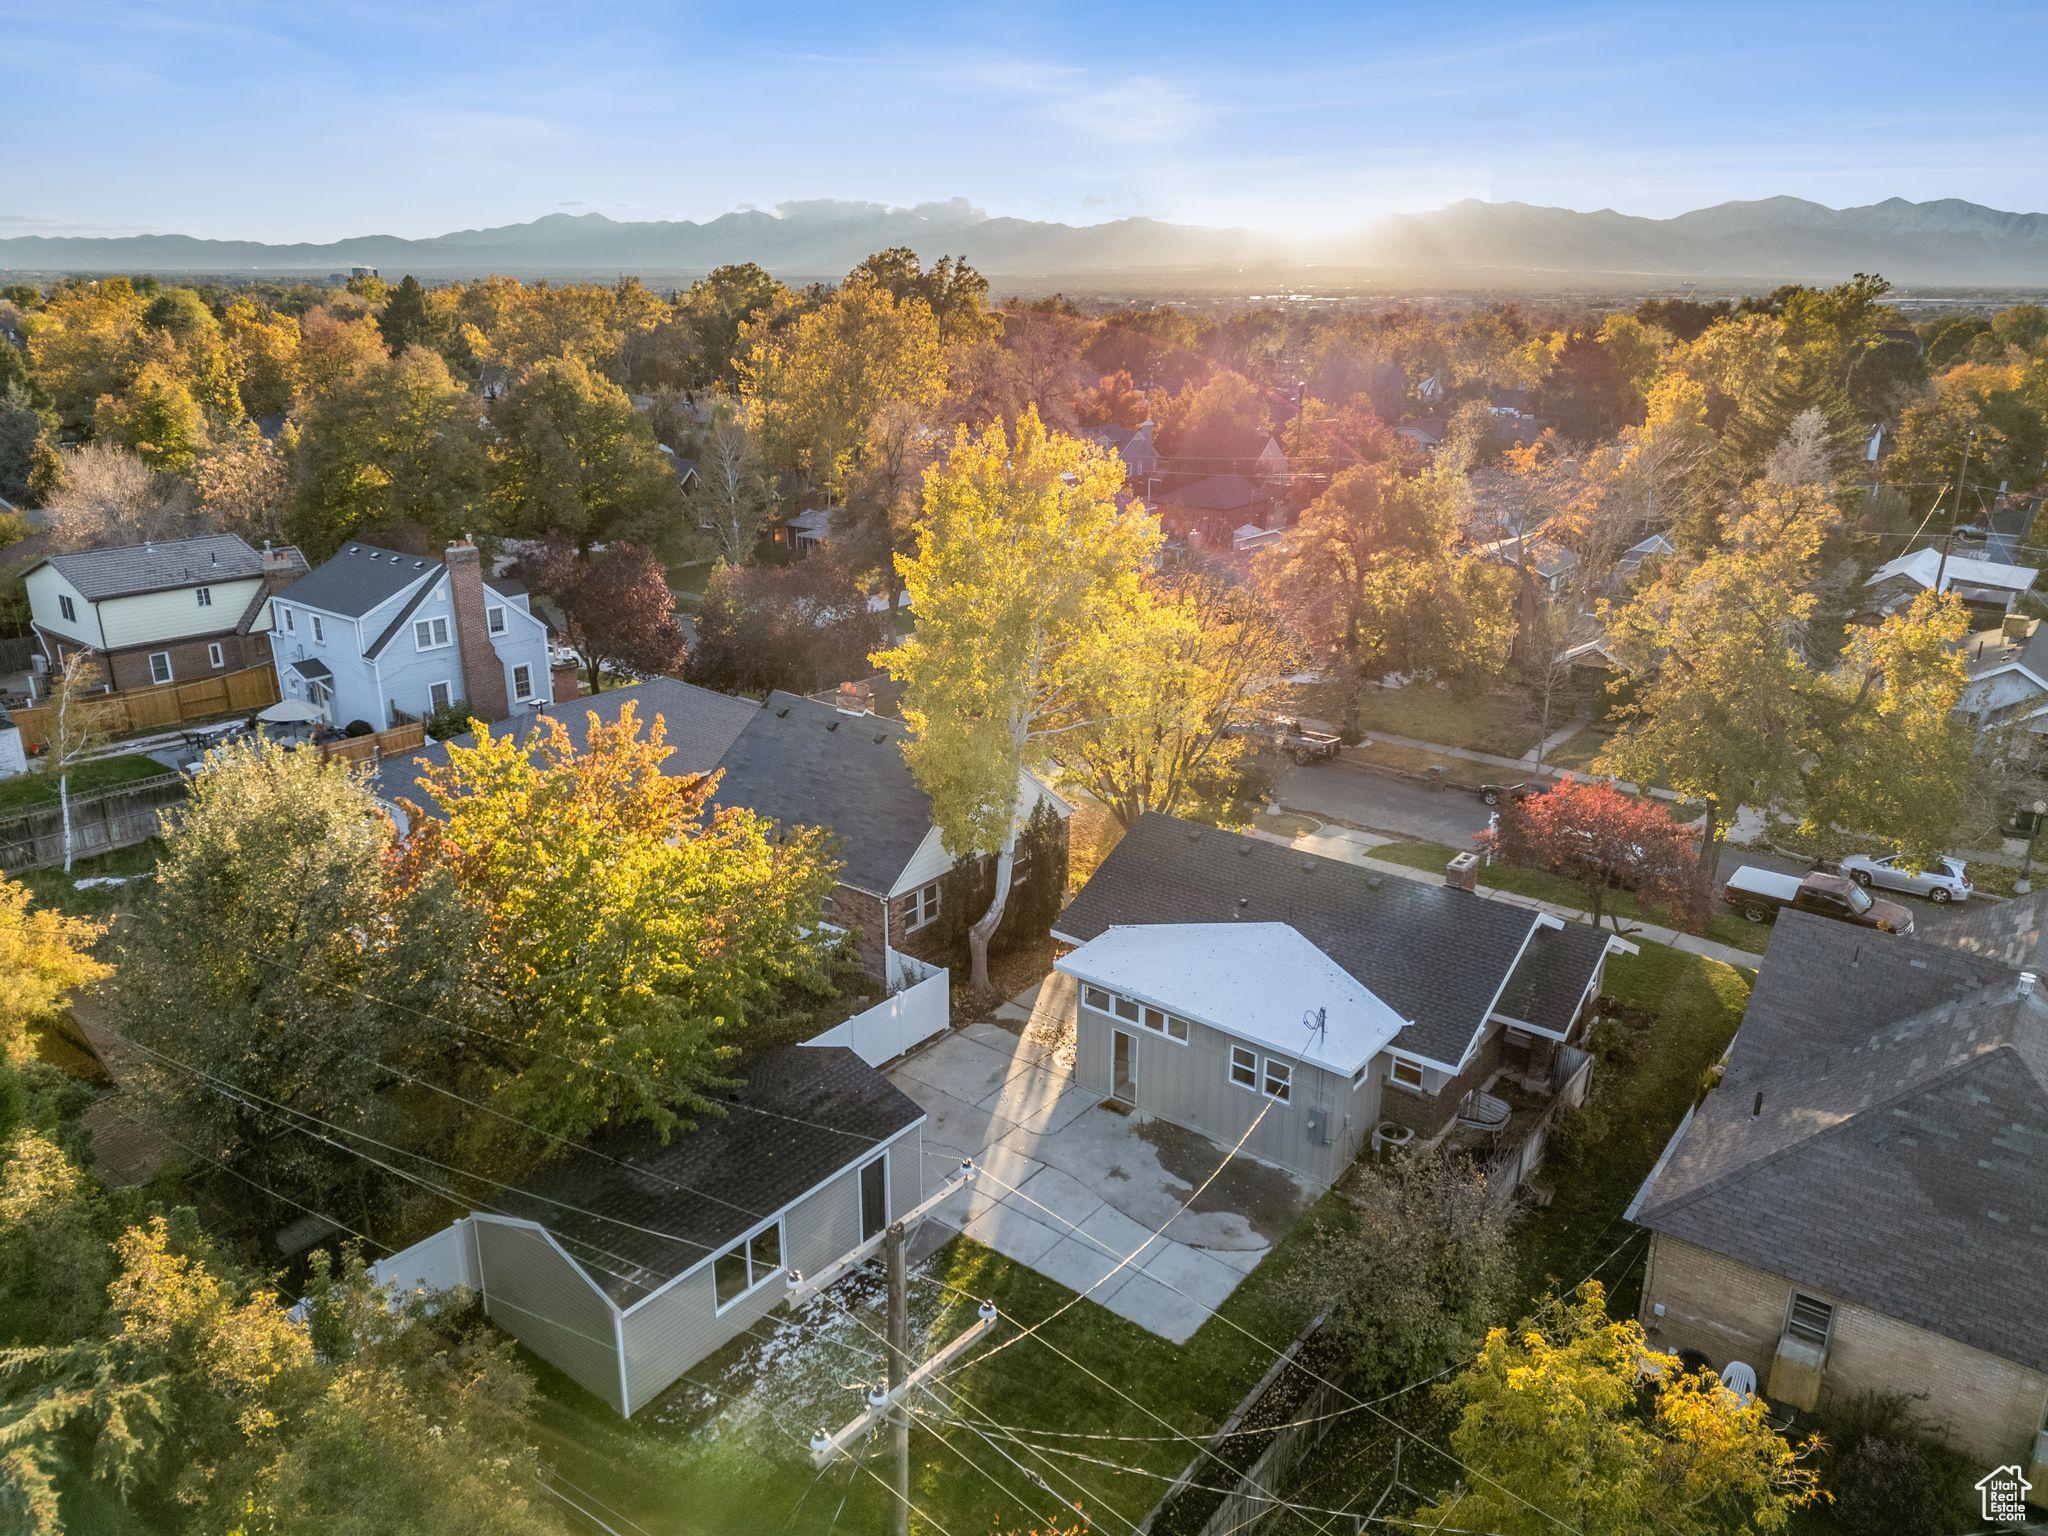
(1888, 1472)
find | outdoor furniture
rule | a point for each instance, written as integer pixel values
(1739, 1377)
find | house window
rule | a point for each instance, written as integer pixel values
(1162, 1023)
(66, 607)
(205, 596)
(522, 681)
(429, 634)
(159, 666)
(1244, 1067)
(494, 618)
(319, 629)
(1809, 1320)
(1279, 1080)
(215, 656)
(1095, 998)
(291, 621)
(924, 906)
(1407, 1073)
(440, 696)
(747, 1264)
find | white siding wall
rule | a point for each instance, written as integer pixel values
(150, 618)
(45, 586)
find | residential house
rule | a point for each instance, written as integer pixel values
(1857, 1205)
(808, 530)
(378, 636)
(1271, 463)
(163, 611)
(2008, 676)
(685, 469)
(1550, 565)
(629, 1259)
(1140, 454)
(802, 762)
(1210, 511)
(1427, 433)
(1986, 584)
(1656, 546)
(1309, 1008)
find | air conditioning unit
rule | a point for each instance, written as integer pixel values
(1796, 1373)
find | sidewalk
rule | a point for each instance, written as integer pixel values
(1353, 847)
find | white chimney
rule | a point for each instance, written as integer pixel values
(2028, 981)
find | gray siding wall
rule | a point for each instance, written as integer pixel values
(1189, 1084)
(540, 1297)
(676, 1328)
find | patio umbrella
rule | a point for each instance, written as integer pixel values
(291, 712)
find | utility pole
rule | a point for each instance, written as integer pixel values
(1941, 565)
(885, 1404)
(894, 1242)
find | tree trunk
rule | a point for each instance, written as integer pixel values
(596, 676)
(1710, 851)
(64, 803)
(985, 926)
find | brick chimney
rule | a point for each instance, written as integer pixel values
(280, 567)
(483, 674)
(855, 699)
(1462, 873)
(568, 678)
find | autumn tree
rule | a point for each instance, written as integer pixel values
(1114, 402)
(569, 454)
(1553, 1431)
(618, 607)
(799, 627)
(244, 486)
(44, 957)
(55, 1258)
(305, 989)
(264, 348)
(397, 445)
(717, 307)
(953, 291)
(79, 723)
(1410, 1263)
(1023, 553)
(404, 321)
(85, 342)
(108, 495)
(1220, 426)
(731, 502)
(814, 388)
(1602, 841)
(1153, 705)
(627, 927)
(1372, 579)
(193, 1370)
(334, 351)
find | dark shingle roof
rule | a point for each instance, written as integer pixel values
(1552, 977)
(1217, 493)
(1437, 956)
(405, 611)
(357, 579)
(805, 1113)
(2013, 933)
(805, 763)
(699, 725)
(1899, 1167)
(161, 566)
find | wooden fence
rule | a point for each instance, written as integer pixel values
(100, 823)
(1253, 1495)
(160, 708)
(379, 744)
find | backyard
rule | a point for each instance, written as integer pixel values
(26, 791)
(725, 1450)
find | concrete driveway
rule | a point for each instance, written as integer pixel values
(1070, 1188)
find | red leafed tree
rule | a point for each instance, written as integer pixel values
(799, 628)
(1114, 402)
(617, 605)
(1604, 841)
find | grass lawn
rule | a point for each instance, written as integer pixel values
(724, 1451)
(54, 888)
(1578, 750)
(1542, 885)
(30, 790)
(1640, 1093)
(1483, 722)
(690, 575)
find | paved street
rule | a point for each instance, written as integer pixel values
(1398, 808)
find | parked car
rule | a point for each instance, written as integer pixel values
(1493, 794)
(1284, 733)
(1761, 894)
(1939, 879)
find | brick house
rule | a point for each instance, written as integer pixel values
(163, 611)
(805, 762)
(1426, 995)
(1857, 1206)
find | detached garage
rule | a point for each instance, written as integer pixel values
(627, 1262)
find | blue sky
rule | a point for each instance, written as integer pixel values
(313, 122)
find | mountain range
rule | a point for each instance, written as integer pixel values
(1946, 243)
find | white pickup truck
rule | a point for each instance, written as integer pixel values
(1760, 894)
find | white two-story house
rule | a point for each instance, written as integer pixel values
(381, 637)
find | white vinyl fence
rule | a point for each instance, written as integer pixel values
(901, 1020)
